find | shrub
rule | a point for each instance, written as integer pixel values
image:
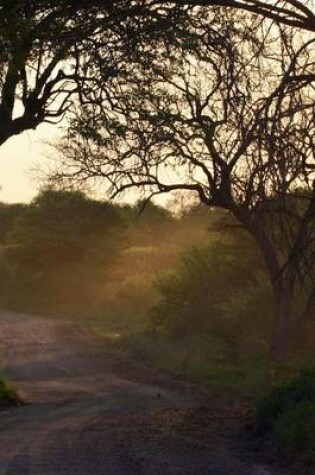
(295, 428)
(285, 397)
(219, 290)
(288, 414)
(8, 395)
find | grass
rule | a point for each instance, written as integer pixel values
(224, 377)
(113, 326)
(196, 360)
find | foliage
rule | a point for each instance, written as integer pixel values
(199, 359)
(148, 252)
(288, 413)
(62, 226)
(8, 395)
(285, 396)
(8, 215)
(68, 255)
(57, 56)
(217, 289)
(57, 251)
(227, 120)
(299, 14)
(295, 429)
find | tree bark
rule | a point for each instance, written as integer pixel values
(10, 128)
(282, 331)
(281, 286)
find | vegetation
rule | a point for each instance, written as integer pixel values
(225, 117)
(293, 13)
(67, 255)
(40, 39)
(206, 293)
(8, 395)
(226, 112)
(288, 414)
(200, 307)
(206, 289)
(161, 97)
(53, 248)
(57, 56)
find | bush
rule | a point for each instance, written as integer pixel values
(285, 397)
(295, 428)
(218, 290)
(8, 395)
(288, 414)
(57, 253)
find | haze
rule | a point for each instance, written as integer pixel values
(18, 156)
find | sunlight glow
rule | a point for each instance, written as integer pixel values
(19, 156)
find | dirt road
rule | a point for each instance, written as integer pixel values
(93, 412)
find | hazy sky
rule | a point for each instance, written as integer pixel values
(19, 156)
(23, 154)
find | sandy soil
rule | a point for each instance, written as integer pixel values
(92, 411)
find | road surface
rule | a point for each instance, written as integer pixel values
(90, 411)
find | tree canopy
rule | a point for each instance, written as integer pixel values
(227, 115)
(58, 55)
(163, 96)
(295, 13)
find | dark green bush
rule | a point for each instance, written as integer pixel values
(295, 428)
(288, 413)
(8, 395)
(285, 397)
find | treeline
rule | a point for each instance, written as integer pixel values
(68, 255)
(187, 290)
(187, 293)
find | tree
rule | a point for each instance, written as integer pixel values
(58, 252)
(56, 56)
(296, 13)
(55, 53)
(222, 284)
(8, 214)
(59, 55)
(227, 120)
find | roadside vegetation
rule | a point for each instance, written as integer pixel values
(73, 257)
(8, 394)
(164, 97)
(288, 415)
(185, 292)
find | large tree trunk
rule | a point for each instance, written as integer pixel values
(282, 288)
(281, 338)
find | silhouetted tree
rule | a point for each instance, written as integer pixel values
(228, 121)
(58, 251)
(59, 55)
(296, 13)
